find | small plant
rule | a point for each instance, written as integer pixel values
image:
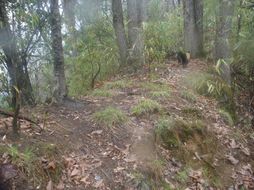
(189, 96)
(101, 93)
(182, 176)
(120, 84)
(146, 106)
(228, 119)
(110, 117)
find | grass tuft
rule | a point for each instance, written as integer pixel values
(110, 117)
(146, 106)
(228, 119)
(120, 84)
(189, 96)
(101, 93)
(160, 94)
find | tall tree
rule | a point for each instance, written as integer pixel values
(60, 90)
(69, 15)
(118, 23)
(223, 31)
(135, 10)
(193, 26)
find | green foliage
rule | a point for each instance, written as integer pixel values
(212, 83)
(101, 93)
(110, 117)
(163, 33)
(96, 48)
(146, 106)
(187, 95)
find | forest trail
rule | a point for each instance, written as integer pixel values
(128, 156)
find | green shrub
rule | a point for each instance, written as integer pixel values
(110, 117)
(146, 106)
(96, 48)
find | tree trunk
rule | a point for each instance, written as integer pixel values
(193, 26)
(135, 10)
(223, 31)
(119, 29)
(60, 90)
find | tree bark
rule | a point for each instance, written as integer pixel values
(135, 10)
(223, 31)
(60, 89)
(193, 26)
(118, 24)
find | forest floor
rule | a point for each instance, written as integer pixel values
(80, 146)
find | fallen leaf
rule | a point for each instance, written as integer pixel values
(98, 132)
(51, 165)
(98, 183)
(75, 172)
(50, 185)
(246, 151)
(233, 160)
(60, 186)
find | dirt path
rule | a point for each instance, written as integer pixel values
(127, 156)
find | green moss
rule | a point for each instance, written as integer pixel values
(146, 106)
(101, 93)
(110, 117)
(189, 96)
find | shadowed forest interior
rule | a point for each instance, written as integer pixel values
(126, 94)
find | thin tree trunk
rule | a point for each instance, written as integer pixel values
(193, 26)
(119, 30)
(60, 90)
